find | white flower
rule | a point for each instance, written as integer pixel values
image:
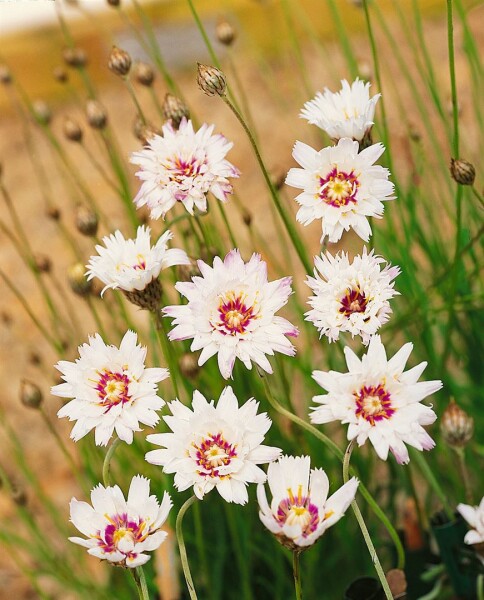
(474, 515)
(120, 530)
(347, 113)
(379, 401)
(341, 186)
(183, 166)
(214, 446)
(231, 311)
(300, 511)
(111, 389)
(351, 297)
(133, 264)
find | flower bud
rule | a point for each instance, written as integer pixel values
(149, 298)
(247, 217)
(75, 57)
(119, 61)
(211, 80)
(6, 318)
(189, 365)
(144, 74)
(18, 494)
(43, 264)
(53, 213)
(174, 110)
(5, 75)
(72, 130)
(225, 32)
(77, 279)
(42, 112)
(35, 358)
(278, 178)
(456, 426)
(186, 272)
(144, 131)
(114, 2)
(96, 114)
(462, 171)
(30, 394)
(60, 75)
(86, 219)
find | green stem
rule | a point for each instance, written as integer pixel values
(296, 571)
(464, 471)
(240, 556)
(453, 85)
(433, 482)
(140, 580)
(364, 529)
(182, 547)
(480, 587)
(132, 93)
(165, 349)
(107, 461)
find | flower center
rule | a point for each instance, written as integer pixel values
(373, 403)
(234, 315)
(339, 188)
(122, 534)
(298, 510)
(353, 302)
(214, 455)
(113, 389)
(140, 264)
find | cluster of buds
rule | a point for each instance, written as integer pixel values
(211, 80)
(456, 426)
(119, 62)
(174, 110)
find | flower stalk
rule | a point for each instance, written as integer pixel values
(296, 572)
(182, 547)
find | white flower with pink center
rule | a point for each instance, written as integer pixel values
(351, 296)
(183, 166)
(341, 186)
(474, 515)
(378, 401)
(112, 390)
(347, 113)
(214, 446)
(121, 530)
(231, 312)
(300, 510)
(133, 264)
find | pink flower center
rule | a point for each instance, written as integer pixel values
(141, 264)
(339, 188)
(121, 535)
(298, 510)
(213, 455)
(113, 389)
(373, 403)
(353, 302)
(234, 315)
(181, 168)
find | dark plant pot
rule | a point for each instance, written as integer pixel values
(455, 555)
(364, 588)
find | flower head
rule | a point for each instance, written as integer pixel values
(300, 511)
(379, 401)
(119, 530)
(112, 390)
(341, 186)
(133, 264)
(231, 312)
(474, 515)
(351, 297)
(183, 166)
(347, 113)
(214, 446)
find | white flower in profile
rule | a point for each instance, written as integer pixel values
(352, 297)
(347, 113)
(300, 510)
(118, 530)
(112, 390)
(378, 401)
(133, 264)
(341, 186)
(231, 312)
(183, 166)
(214, 446)
(474, 515)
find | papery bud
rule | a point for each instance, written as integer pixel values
(144, 74)
(76, 275)
(5, 75)
(211, 80)
(42, 112)
(30, 394)
(96, 114)
(53, 213)
(144, 131)
(189, 365)
(456, 426)
(75, 57)
(174, 110)
(149, 298)
(18, 494)
(72, 130)
(86, 220)
(462, 171)
(60, 75)
(119, 61)
(43, 264)
(225, 32)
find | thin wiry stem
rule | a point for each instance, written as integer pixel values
(182, 547)
(296, 573)
(107, 461)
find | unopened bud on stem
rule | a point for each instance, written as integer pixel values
(75, 57)
(87, 220)
(456, 426)
(119, 61)
(77, 279)
(72, 130)
(96, 114)
(211, 80)
(174, 110)
(30, 394)
(462, 171)
(225, 32)
(144, 74)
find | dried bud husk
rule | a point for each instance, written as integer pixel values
(211, 80)
(119, 61)
(149, 298)
(462, 171)
(174, 110)
(60, 75)
(18, 494)
(96, 114)
(30, 394)
(42, 112)
(144, 131)
(75, 57)
(72, 130)
(189, 365)
(86, 219)
(225, 32)
(144, 74)
(5, 75)
(43, 264)
(456, 426)
(77, 279)
(53, 213)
